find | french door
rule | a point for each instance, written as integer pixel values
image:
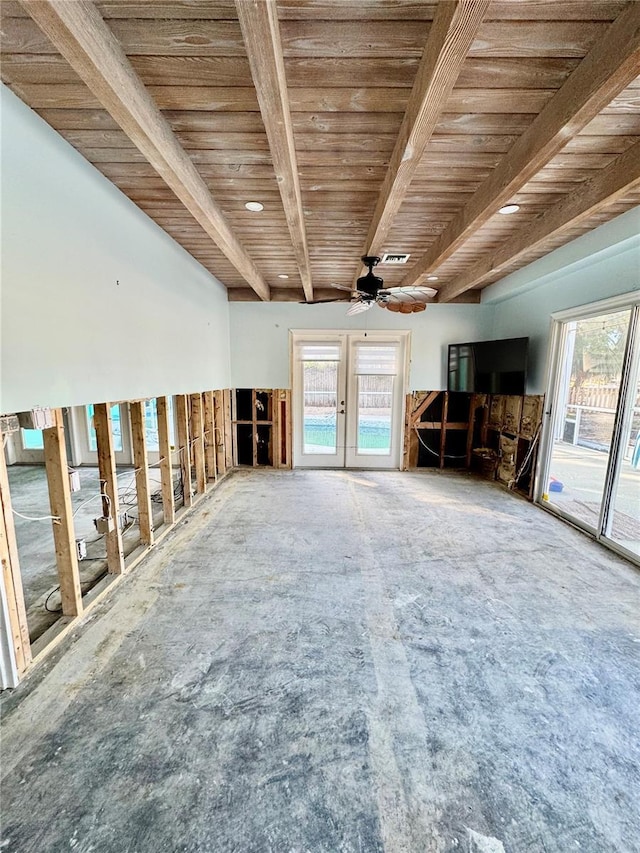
(348, 396)
(590, 472)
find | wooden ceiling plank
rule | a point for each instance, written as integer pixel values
(610, 184)
(405, 39)
(611, 64)
(261, 34)
(370, 10)
(453, 31)
(90, 47)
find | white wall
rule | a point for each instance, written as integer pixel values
(604, 263)
(70, 333)
(596, 266)
(260, 337)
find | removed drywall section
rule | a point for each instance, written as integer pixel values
(98, 303)
(596, 266)
(260, 337)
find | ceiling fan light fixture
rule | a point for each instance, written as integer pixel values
(254, 206)
(509, 208)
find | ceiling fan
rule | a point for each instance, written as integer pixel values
(370, 290)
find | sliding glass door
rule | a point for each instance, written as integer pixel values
(591, 464)
(622, 518)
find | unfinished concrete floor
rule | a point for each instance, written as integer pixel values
(343, 661)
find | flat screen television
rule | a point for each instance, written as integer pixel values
(489, 367)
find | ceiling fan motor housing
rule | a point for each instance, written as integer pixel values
(370, 283)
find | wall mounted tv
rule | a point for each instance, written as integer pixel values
(489, 367)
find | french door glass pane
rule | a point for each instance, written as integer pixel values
(624, 527)
(588, 397)
(116, 428)
(320, 384)
(375, 398)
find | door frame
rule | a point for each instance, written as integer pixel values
(554, 378)
(348, 338)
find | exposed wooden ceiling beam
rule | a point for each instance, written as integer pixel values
(84, 39)
(261, 34)
(451, 35)
(608, 185)
(281, 294)
(611, 65)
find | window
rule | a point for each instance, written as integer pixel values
(151, 423)
(32, 439)
(116, 428)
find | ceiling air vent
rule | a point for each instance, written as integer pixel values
(390, 258)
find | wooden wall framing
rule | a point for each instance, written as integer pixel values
(12, 577)
(109, 486)
(203, 429)
(56, 465)
(209, 436)
(417, 405)
(505, 427)
(197, 441)
(141, 463)
(274, 421)
(219, 431)
(184, 446)
(166, 465)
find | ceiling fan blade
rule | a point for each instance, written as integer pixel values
(348, 289)
(403, 307)
(406, 295)
(320, 301)
(359, 307)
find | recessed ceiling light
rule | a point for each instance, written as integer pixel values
(283, 275)
(432, 278)
(509, 208)
(255, 206)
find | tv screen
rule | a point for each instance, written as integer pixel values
(489, 367)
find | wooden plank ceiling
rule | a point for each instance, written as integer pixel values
(361, 126)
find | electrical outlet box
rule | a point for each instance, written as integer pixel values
(104, 524)
(74, 481)
(81, 548)
(8, 424)
(37, 418)
(123, 520)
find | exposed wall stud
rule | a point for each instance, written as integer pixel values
(57, 467)
(218, 402)
(107, 469)
(141, 462)
(166, 467)
(228, 442)
(197, 442)
(209, 436)
(182, 419)
(11, 575)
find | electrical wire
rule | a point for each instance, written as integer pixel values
(89, 585)
(55, 518)
(525, 462)
(93, 498)
(433, 452)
